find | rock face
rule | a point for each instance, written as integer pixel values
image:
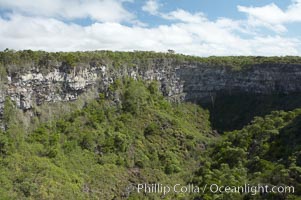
(179, 81)
(34, 88)
(201, 82)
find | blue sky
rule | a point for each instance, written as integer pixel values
(194, 27)
(213, 9)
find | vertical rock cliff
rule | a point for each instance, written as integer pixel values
(179, 81)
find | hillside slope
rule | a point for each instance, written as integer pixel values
(96, 152)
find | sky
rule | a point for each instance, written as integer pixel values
(191, 27)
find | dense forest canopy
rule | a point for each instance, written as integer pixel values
(97, 151)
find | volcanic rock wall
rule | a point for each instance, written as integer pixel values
(194, 82)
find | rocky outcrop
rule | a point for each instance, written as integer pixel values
(34, 88)
(179, 81)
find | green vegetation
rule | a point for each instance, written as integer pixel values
(11, 59)
(95, 152)
(265, 152)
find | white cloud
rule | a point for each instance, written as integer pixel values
(184, 16)
(200, 37)
(276, 45)
(272, 17)
(151, 6)
(99, 10)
